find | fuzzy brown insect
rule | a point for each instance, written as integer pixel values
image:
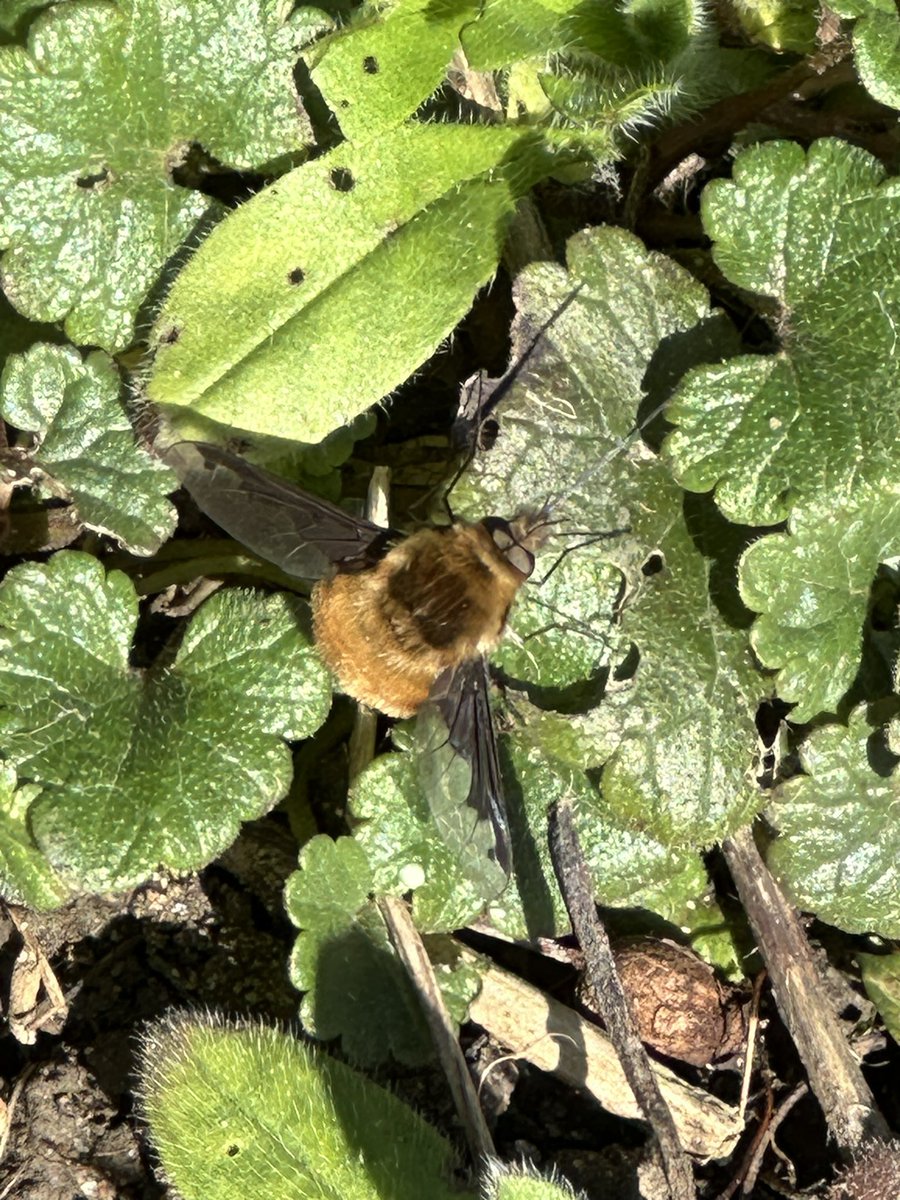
(403, 622)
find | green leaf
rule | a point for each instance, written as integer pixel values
(881, 977)
(98, 111)
(356, 988)
(676, 734)
(87, 444)
(782, 24)
(451, 881)
(238, 1110)
(376, 72)
(294, 315)
(133, 765)
(522, 1182)
(819, 232)
(876, 46)
(25, 877)
(812, 586)
(839, 847)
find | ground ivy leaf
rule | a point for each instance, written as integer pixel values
(838, 852)
(881, 979)
(677, 735)
(451, 883)
(375, 73)
(238, 1109)
(820, 232)
(25, 876)
(355, 986)
(98, 110)
(812, 586)
(294, 315)
(139, 769)
(87, 444)
(876, 46)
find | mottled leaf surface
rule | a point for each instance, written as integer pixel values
(139, 769)
(25, 876)
(819, 233)
(86, 443)
(99, 108)
(839, 849)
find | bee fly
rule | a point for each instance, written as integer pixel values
(404, 623)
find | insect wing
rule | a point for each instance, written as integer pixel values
(460, 767)
(295, 530)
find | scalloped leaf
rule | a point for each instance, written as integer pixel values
(294, 315)
(25, 876)
(876, 46)
(881, 979)
(238, 1110)
(839, 850)
(812, 586)
(820, 232)
(355, 986)
(87, 444)
(93, 129)
(677, 734)
(132, 765)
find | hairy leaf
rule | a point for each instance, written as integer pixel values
(98, 111)
(839, 848)
(294, 315)
(812, 586)
(139, 769)
(238, 1110)
(818, 232)
(85, 441)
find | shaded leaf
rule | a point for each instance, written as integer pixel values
(86, 442)
(881, 977)
(356, 988)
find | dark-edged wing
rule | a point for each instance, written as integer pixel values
(297, 531)
(460, 698)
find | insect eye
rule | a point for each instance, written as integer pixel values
(520, 558)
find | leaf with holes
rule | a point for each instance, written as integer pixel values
(295, 315)
(86, 443)
(376, 71)
(99, 109)
(161, 766)
(238, 1110)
